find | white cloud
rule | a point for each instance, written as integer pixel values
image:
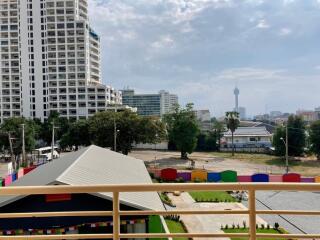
(262, 24)
(193, 46)
(285, 31)
(164, 41)
(250, 74)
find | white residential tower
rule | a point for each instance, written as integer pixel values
(50, 60)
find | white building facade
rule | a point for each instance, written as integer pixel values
(50, 60)
(248, 137)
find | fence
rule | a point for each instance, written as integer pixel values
(116, 212)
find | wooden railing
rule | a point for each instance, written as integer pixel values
(116, 212)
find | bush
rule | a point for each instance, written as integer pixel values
(226, 227)
(268, 226)
(276, 226)
(180, 180)
(238, 226)
(257, 226)
(197, 180)
(244, 224)
(262, 226)
(233, 226)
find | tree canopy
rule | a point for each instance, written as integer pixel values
(296, 137)
(130, 128)
(314, 138)
(182, 127)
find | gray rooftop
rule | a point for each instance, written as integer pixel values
(90, 166)
(249, 131)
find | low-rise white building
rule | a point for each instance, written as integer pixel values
(248, 137)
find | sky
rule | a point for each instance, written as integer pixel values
(202, 49)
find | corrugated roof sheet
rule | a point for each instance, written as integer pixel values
(95, 165)
(249, 131)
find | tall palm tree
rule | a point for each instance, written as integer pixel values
(233, 122)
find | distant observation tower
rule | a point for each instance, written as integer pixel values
(236, 95)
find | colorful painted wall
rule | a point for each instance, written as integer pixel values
(171, 174)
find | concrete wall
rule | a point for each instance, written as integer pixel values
(158, 146)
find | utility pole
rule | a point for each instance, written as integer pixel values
(52, 142)
(115, 130)
(11, 149)
(287, 150)
(23, 145)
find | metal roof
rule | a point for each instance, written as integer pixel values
(91, 166)
(249, 131)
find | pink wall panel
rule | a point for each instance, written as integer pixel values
(244, 179)
(275, 178)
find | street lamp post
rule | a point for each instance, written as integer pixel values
(115, 129)
(155, 147)
(287, 149)
(52, 142)
(23, 145)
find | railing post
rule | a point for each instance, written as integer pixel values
(116, 217)
(252, 214)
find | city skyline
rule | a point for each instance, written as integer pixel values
(204, 48)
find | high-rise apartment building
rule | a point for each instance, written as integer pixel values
(150, 104)
(50, 60)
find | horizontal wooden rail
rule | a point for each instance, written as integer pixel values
(57, 214)
(182, 212)
(157, 187)
(55, 237)
(288, 212)
(116, 190)
(161, 235)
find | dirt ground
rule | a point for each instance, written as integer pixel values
(202, 161)
(219, 162)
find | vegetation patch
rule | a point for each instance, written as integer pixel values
(212, 196)
(175, 225)
(155, 226)
(165, 199)
(260, 229)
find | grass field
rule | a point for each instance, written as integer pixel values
(175, 227)
(307, 167)
(250, 157)
(212, 196)
(155, 226)
(271, 231)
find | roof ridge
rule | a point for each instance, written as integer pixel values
(71, 165)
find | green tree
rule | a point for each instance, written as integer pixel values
(219, 129)
(314, 138)
(233, 122)
(183, 129)
(296, 137)
(13, 126)
(45, 132)
(131, 128)
(278, 141)
(77, 135)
